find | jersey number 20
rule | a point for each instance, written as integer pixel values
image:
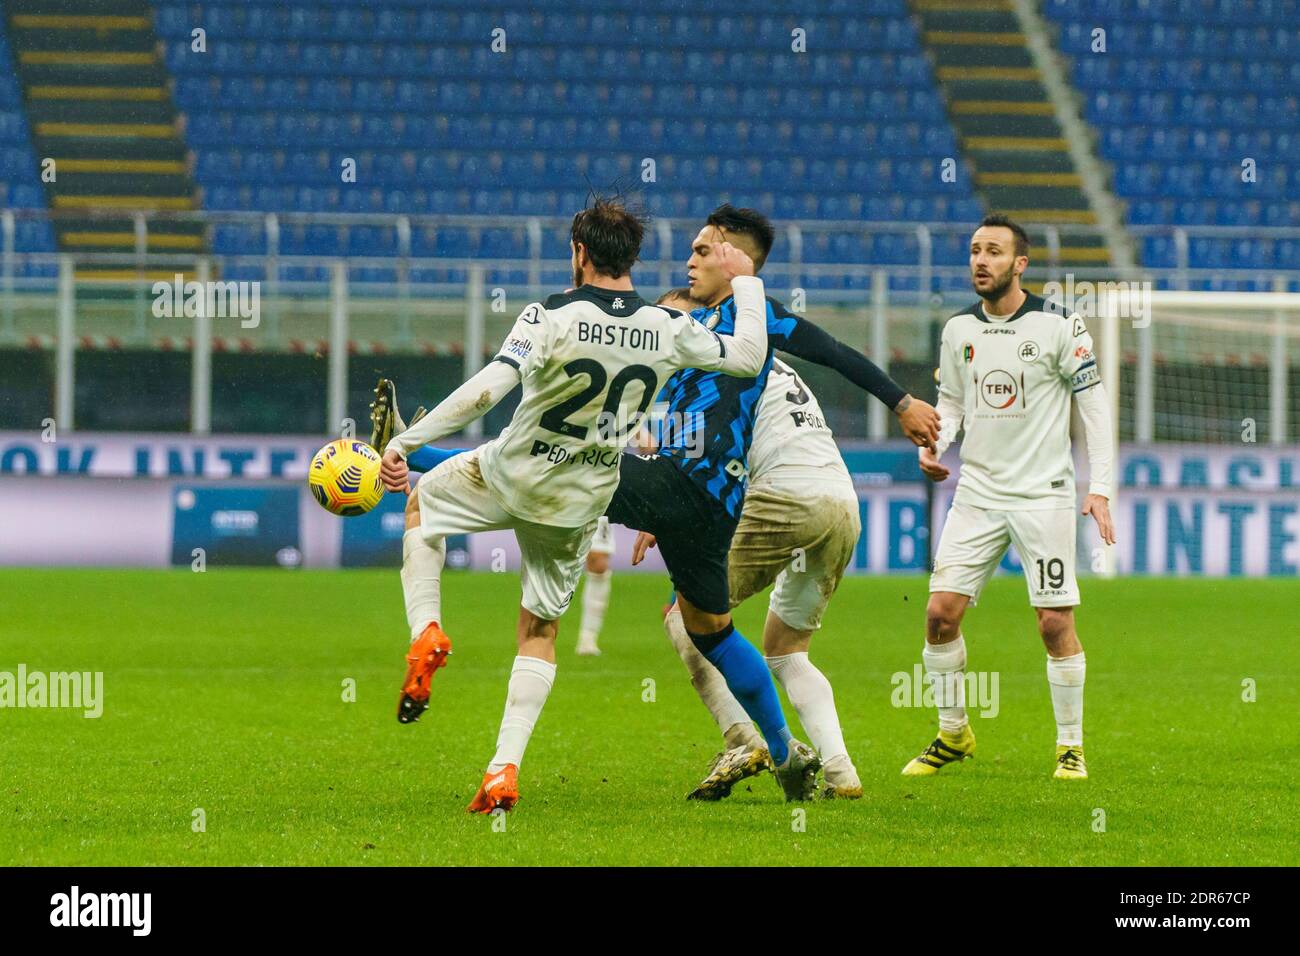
(556, 417)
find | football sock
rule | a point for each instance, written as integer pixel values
(595, 598)
(813, 700)
(531, 679)
(710, 685)
(945, 666)
(429, 457)
(1065, 676)
(748, 678)
(421, 579)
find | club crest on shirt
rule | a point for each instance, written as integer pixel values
(1028, 352)
(968, 353)
(712, 319)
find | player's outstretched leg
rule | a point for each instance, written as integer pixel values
(742, 666)
(595, 599)
(422, 588)
(812, 698)
(531, 679)
(595, 590)
(744, 754)
(945, 665)
(383, 416)
(385, 420)
(1066, 669)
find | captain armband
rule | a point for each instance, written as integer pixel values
(1086, 377)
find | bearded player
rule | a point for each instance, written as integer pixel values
(1008, 369)
(591, 361)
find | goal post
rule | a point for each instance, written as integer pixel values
(1202, 367)
(1198, 367)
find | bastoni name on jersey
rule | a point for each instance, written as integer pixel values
(619, 336)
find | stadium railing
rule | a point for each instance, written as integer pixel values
(331, 305)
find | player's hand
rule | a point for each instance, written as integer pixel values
(1099, 507)
(919, 421)
(732, 261)
(644, 542)
(394, 473)
(930, 465)
(645, 443)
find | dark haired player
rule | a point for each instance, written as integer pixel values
(1008, 369)
(687, 499)
(591, 361)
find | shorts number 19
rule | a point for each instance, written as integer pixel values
(1051, 573)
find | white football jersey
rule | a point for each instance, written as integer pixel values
(790, 431)
(1013, 381)
(592, 360)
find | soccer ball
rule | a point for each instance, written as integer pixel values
(344, 477)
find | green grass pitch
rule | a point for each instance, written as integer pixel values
(224, 692)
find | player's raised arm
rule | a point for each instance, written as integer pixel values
(744, 352)
(918, 419)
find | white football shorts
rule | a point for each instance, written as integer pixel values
(454, 499)
(975, 539)
(802, 541)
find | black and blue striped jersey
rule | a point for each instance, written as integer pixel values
(709, 418)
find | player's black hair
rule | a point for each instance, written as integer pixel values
(681, 292)
(746, 222)
(1017, 230)
(611, 233)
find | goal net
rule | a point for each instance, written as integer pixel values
(1202, 367)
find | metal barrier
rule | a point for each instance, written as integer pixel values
(891, 312)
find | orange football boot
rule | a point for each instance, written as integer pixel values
(499, 789)
(427, 654)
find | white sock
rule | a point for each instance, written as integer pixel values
(945, 666)
(595, 598)
(1065, 676)
(531, 679)
(813, 700)
(709, 683)
(422, 579)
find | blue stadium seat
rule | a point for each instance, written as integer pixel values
(1195, 91)
(438, 123)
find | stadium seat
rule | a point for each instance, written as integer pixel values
(1209, 104)
(437, 125)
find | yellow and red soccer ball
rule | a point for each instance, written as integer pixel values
(344, 477)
